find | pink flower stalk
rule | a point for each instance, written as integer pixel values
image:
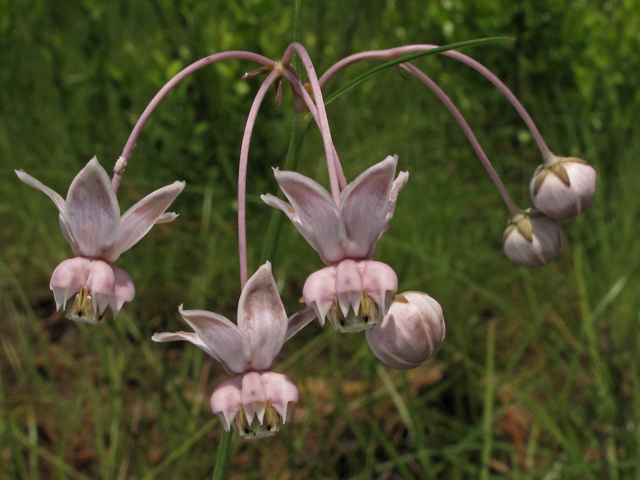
(255, 401)
(353, 291)
(91, 223)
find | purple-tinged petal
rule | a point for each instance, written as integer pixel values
(398, 185)
(223, 338)
(319, 291)
(262, 318)
(318, 213)
(380, 282)
(68, 277)
(32, 182)
(290, 212)
(348, 286)
(364, 207)
(280, 392)
(254, 400)
(101, 284)
(167, 217)
(187, 336)
(226, 400)
(299, 320)
(92, 213)
(67, 236)
(124, 290)
(139, 219)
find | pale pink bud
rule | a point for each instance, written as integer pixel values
(563, 188)
(411, 332)
(531, 239)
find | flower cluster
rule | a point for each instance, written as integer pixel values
(343, 225)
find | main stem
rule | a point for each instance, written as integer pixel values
(220, 468)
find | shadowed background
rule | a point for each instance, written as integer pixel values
(538, 377)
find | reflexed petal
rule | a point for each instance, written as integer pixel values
(262, 318)
(364, 207)
(101, 284)
(187, 336)
(67, 236)
(32, 182)
(280, 392)
(124, 290)
(317, 212)
(68, 277)
(299, 320)
(226, 400)
(91, 213)
(254, 399)
(275, 202)
(223, 338)
(398, 185)
(379, 281)
(139, 219)
(167, 217)
(319, 291)
(348, 286)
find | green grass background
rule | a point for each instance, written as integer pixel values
(539, 375)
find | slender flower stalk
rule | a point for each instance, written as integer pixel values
(393, 53)
(325, 131)
(121, 164)
(513, 208)
(242, 173)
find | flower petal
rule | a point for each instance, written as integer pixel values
(364, 207)
(254, 399)
(225, 340)
(299, 320)
(91, 213)
(139, 219)
(124, 290)
(187, 336)
(380, 282)
(68, 277)
(398, 185)
(317, 212)
(262, 318)
(319, 291)
(226, 400)
(101, 284)
(348, 286)
(280, 391)
(32, 182)
(275, 202)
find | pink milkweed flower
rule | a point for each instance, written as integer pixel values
(91, 223)
(256, 402)
(354, 291)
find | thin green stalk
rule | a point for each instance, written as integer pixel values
(488, 401)
(298, 132)
(220, 469)
(407, 58)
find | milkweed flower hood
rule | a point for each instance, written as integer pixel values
(91, 223)
(353, 291)
(255, 401)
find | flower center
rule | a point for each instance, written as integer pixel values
(363, 318)
(81, 309)
(269, 426)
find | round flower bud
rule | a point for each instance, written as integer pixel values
(531, 239)
(411, 332)
(564, 188)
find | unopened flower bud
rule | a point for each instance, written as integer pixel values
(411, 332)
(564, 188)
(531, 239)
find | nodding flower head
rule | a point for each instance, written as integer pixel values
(351, 229)
(255, 401)
(411, 333)
(91, 223)
(563, 188)
(532, 239)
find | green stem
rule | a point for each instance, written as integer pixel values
(220, 469)
(300, 124)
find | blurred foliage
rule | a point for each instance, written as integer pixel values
(106, 403)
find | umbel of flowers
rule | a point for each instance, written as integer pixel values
(343, 224)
